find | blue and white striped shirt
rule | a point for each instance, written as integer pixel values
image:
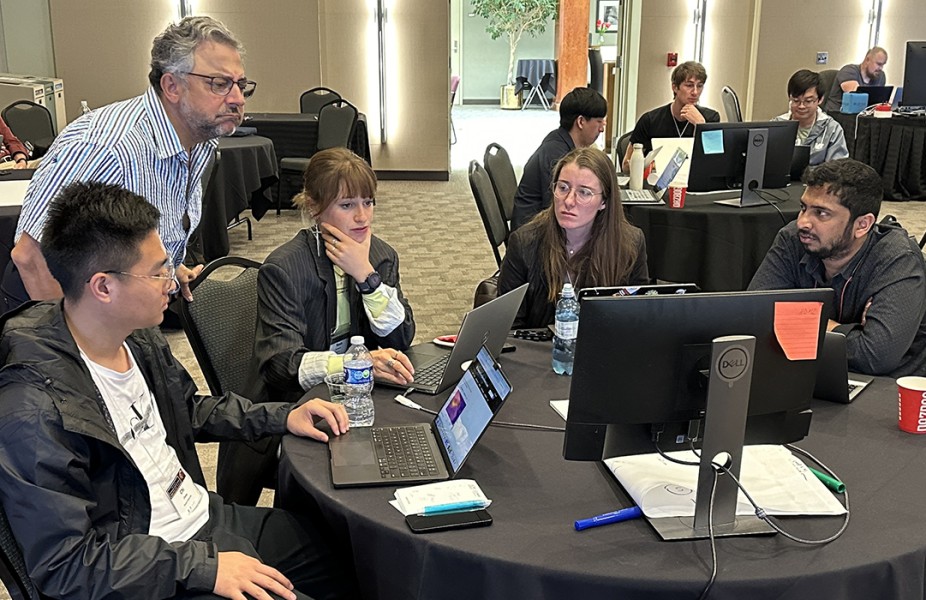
(131, 143)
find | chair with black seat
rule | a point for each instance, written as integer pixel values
(827, 77)
(221, 323)
(489, 208)
(31, 123)
(13, 573)
(501, 174)
(336, 123)
(731, 105)
(311, 101)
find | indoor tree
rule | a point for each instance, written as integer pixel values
(514, 18)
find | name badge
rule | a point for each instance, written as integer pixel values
(184, 494)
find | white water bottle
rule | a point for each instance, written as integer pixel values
(636, 167)
(567, 328)
(358, 383)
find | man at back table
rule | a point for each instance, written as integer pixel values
(876, 271)
(679, 117)
(582, 118)
(850, 77)
(157, 145)
(99, 475)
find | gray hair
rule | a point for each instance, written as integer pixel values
(172, 51)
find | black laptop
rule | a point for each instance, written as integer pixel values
(423, 452)
(834, 382)
(436, 368)
(661, 289)
(876, 93)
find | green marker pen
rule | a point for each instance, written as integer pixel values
(830, 482)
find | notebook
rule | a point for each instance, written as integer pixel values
(423, 452)
(834, 383)
(876, 93)
(437, 368)
(654, 196)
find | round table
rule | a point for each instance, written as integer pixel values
(532, 550)
(715, 246)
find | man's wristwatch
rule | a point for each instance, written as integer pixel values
(369, 285)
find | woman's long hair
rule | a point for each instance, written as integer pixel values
(609, 254)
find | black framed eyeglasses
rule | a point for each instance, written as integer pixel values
(223, 85)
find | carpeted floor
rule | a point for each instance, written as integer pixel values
(437, 232)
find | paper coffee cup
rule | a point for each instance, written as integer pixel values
(677, 196)
(911, 404)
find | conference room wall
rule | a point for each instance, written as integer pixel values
(902, 21)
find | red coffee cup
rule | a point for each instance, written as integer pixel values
(911, 404)
(677, 196)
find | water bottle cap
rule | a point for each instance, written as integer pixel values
(356, 340)
(567, 290)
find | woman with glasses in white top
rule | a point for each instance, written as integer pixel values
(815, 128)
(582, 238)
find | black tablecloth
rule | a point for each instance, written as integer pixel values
(847, 122)
(295, 135)
(895, 148)
(244, 177)
(717, 247)
(532, 551)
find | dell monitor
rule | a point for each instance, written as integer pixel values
(721, 155)
(642, 366)
(914, 75)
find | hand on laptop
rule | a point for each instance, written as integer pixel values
(393, 366)
(301, 420)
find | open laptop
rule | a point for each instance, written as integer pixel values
(799, 161)
(662, 289)
(876, 93)
(436, 368)
(654, 196)
(423, 452)
(834, 383)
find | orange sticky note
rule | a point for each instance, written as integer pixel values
(796, 327)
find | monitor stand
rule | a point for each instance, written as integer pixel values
(724, 431)
(754, 173)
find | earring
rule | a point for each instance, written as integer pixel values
(316, 232)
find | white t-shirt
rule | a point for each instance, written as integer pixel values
(179, 506)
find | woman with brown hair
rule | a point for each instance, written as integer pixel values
(333, 280)
(582, 238)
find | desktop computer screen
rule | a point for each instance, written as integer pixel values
(640, 375)
(720, 152)
(914, 75)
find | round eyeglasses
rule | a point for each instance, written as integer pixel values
(169, 279)
(223, 85)
(583, 195)
(804, 101)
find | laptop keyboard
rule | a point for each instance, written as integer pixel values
(638, 196)
(403, 452)
(432, 374)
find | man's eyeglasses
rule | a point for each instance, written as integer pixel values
(583, 195)
(804, 101)
(169, 279)
(223, 85)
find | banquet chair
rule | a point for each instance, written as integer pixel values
(501, 174)
(621, 148)
(13, 572)
(336, 123)
(489, 209)
(827, 77)
(731, 105)
(311, 101)
(31, 123)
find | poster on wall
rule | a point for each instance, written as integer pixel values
(608, 16)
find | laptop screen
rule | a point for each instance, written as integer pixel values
(469, 409)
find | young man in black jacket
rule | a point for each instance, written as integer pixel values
(99, 475)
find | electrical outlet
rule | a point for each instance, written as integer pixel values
(822, 57)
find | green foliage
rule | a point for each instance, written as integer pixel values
(514, 18)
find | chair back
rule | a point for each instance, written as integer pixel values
(731, 105)
(622, 143)
(501, 174)
(596, 70)
(221, 323)
(311, 101)
(32, 123)
(336, 122)
(827, 78)
(13, 573)
(489, 209)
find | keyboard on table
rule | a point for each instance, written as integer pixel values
(431, 374)
(403, 451)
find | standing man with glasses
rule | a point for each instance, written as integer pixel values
(815, 128)
(156, 145)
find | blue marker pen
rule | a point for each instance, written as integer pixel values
(624, 514)
(454, 507)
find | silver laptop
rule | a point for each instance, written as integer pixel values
(423, 452)
(436, 368)
(655, 195)
(834, 382)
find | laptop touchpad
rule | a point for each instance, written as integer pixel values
(353, 453)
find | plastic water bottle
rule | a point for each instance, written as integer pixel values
(636, 167)
(84, 109)
(358, 380)
(567, 326)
